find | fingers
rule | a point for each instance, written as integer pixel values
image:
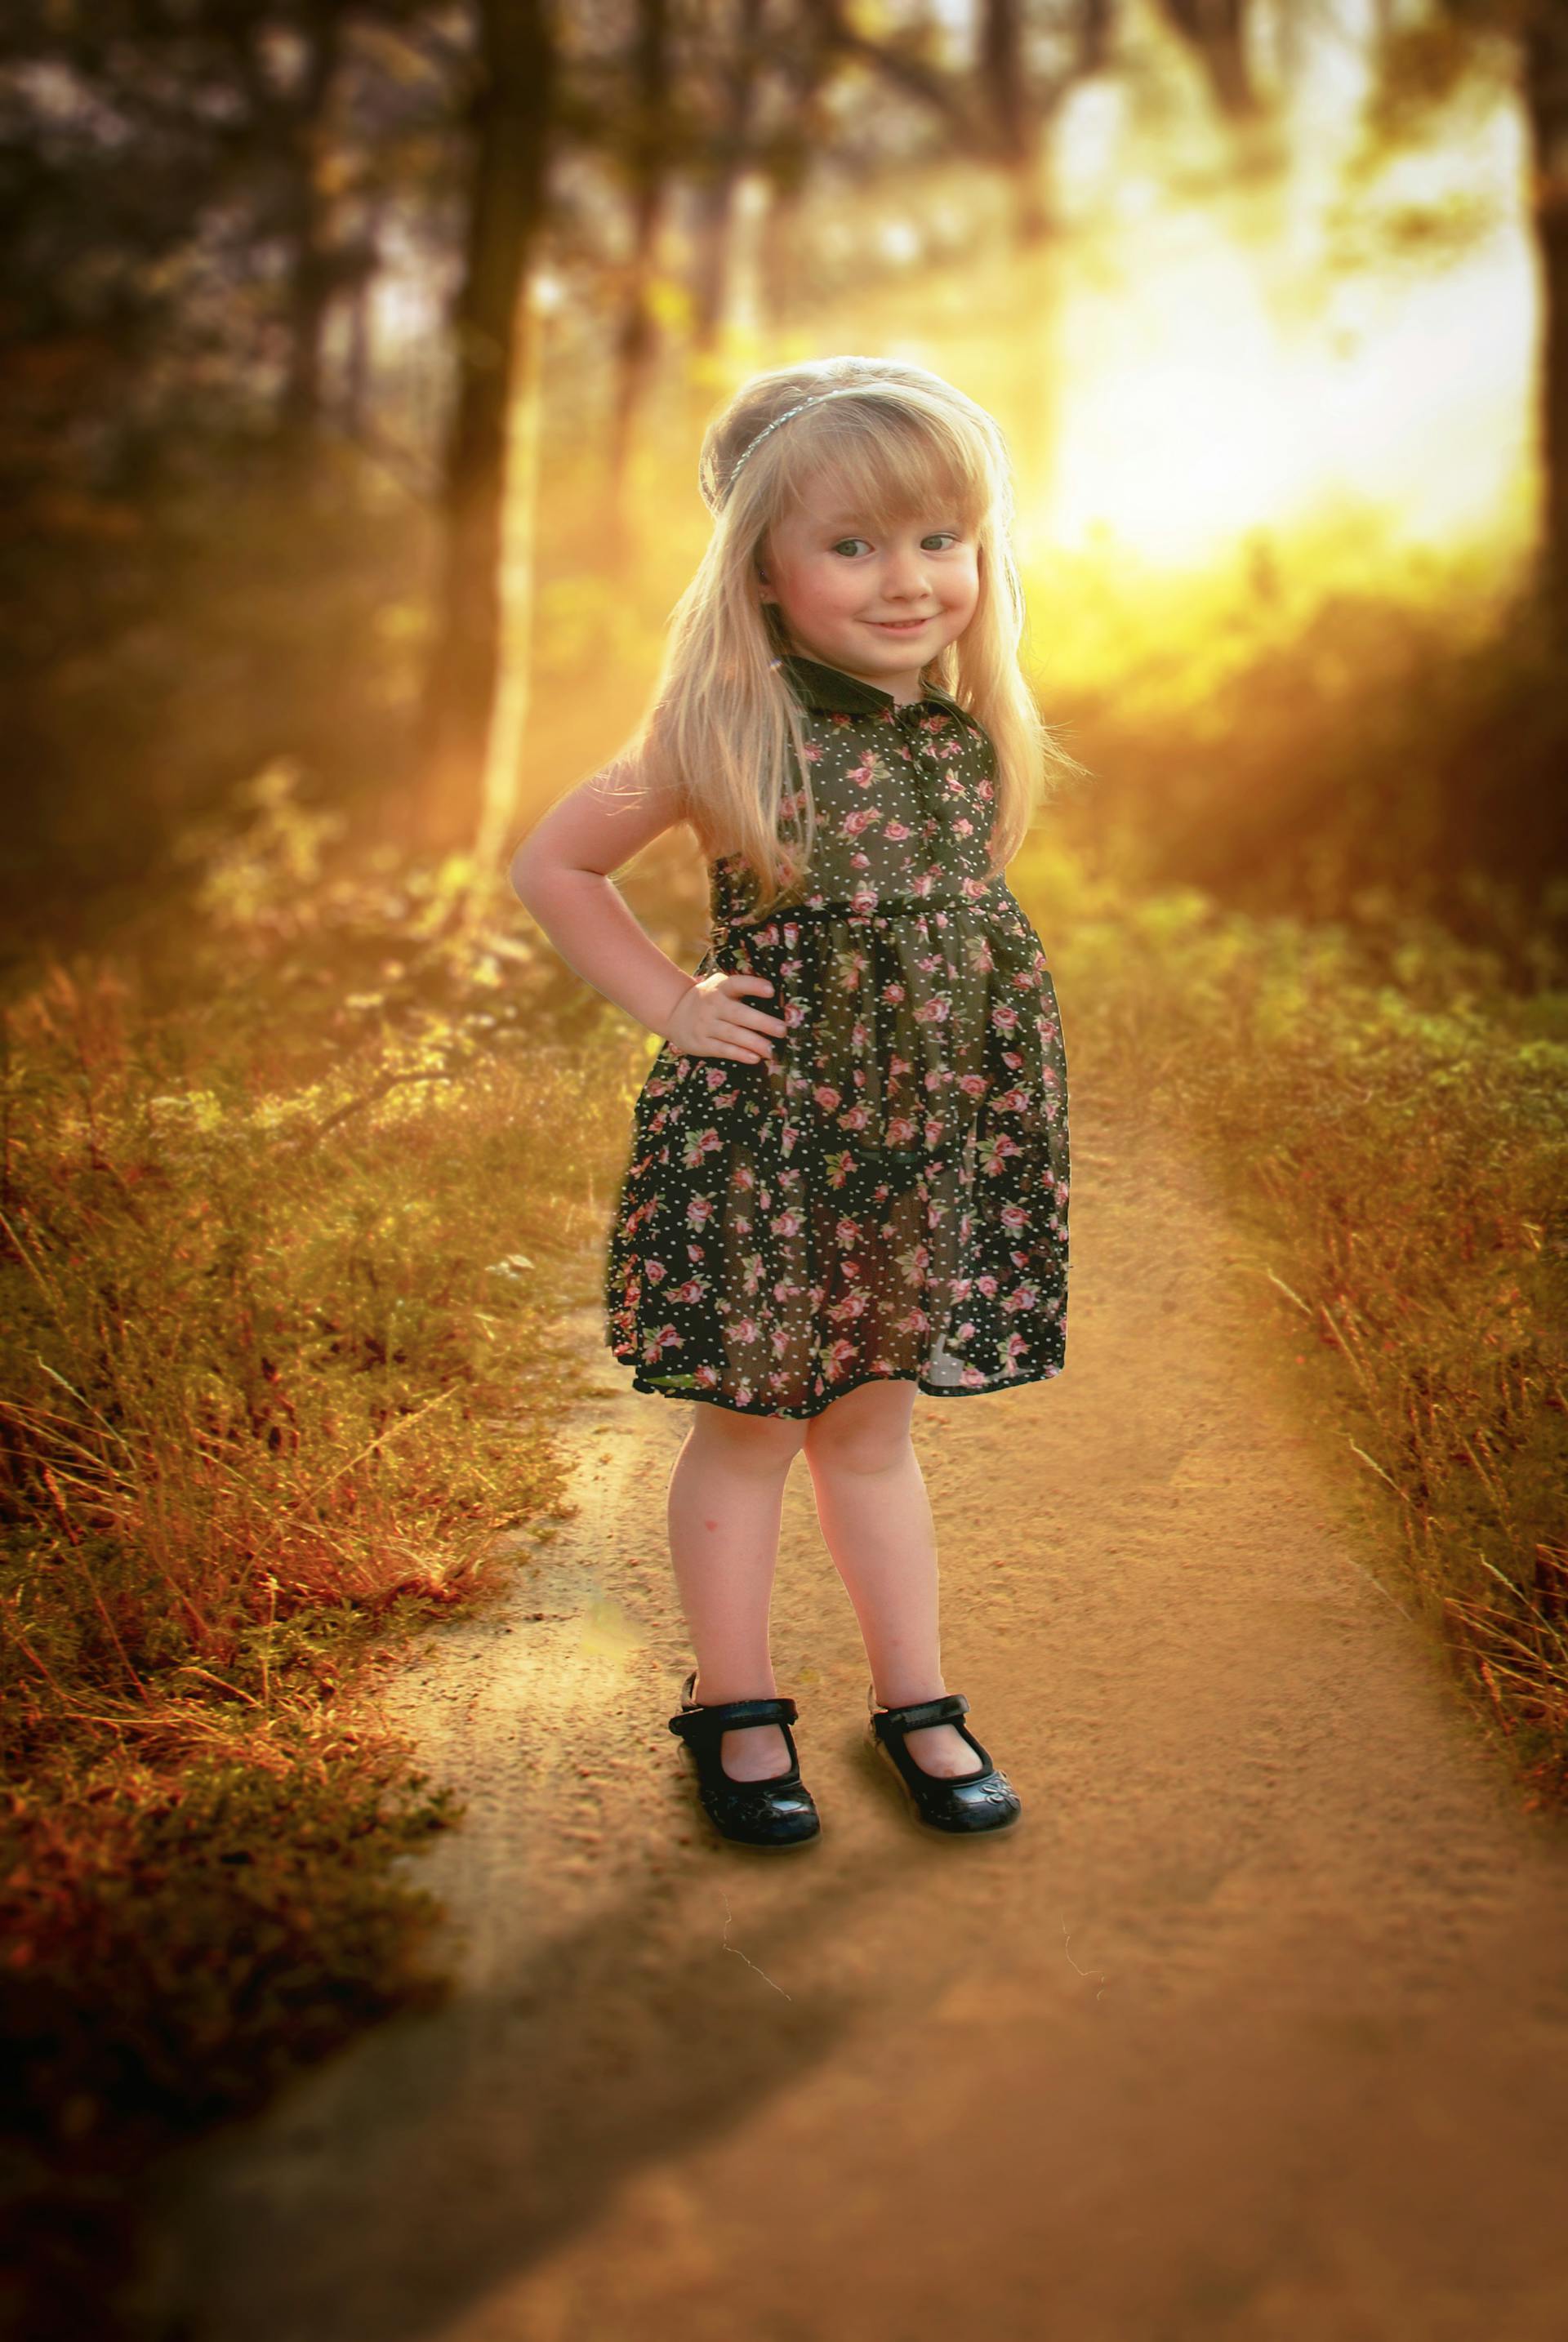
(734, 1039)
(757, 1019)
(739, 1031)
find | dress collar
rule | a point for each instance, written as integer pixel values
(828, 688)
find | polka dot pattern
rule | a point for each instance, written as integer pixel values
(885, 1196)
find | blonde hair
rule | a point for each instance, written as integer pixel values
(722, 724)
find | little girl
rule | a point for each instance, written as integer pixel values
(848, 1179)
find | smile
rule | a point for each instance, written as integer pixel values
(900, 626)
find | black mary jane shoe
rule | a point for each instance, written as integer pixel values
(962, 1806)
(776, 1812)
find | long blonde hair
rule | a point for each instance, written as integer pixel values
(722, 724)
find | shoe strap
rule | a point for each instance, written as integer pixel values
(946, 1709)
(730, 1714)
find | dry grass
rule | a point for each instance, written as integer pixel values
(1389, 1114)
(284, 1222)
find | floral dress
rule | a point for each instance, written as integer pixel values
(885, 1197)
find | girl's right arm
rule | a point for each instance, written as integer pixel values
(561, 874)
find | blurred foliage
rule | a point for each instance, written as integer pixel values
(1286, 747)
(1321, 761)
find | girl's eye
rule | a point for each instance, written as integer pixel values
(936, 541)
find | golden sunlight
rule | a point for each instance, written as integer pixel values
(1213, 380)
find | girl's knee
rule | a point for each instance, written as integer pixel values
(757, 1443)
(865, 1431)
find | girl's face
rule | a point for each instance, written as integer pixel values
(877, 603)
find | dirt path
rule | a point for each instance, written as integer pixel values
(1258, 2027)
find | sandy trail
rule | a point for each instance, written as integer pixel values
(1257, 2027)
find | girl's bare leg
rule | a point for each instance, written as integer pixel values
(726, 1499)
(876, 1516)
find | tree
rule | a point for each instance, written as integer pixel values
(1543, 43)
(1217, 33)
(511, 117)
(1420, 68)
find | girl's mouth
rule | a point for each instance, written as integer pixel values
(898, 625)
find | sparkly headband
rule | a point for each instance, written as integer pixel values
(849, 390)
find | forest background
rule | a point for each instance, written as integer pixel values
(356, 359)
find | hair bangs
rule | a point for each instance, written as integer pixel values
(887, 462)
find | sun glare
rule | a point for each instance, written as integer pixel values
(1213, 380)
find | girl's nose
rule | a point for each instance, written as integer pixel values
(905, 574)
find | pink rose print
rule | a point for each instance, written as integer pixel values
(851, 1305)
(699, 1147)
(801, 1259)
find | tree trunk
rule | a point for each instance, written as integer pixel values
(1216, 31)
(1545, 91)
(358, 355)
(637, 338)
(511, 115)
(716, 193)
(515, 686)
(1013, 117)
(780, 274)
(311, 272)
(1094, 28)
(711, 236)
